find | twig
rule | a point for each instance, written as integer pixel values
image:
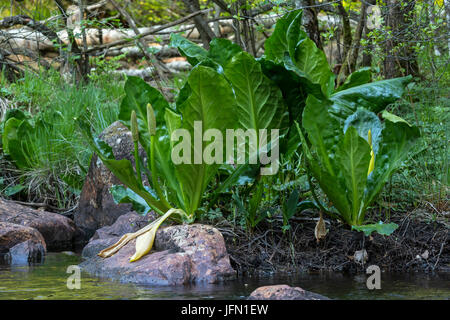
(148, 33)
(39, 205)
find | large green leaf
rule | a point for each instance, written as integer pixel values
(290, 206)
(323, 131)
(193, 52)
(121, 194)
(344, 171)
(374, 96)
(277, 44)
(310, 63)
(294, 95)
(384, 229)
(290, 84)
(212, 102)
(354, 156)
(260, 104)
(357, 78)
(294, 34)
(328, 181)
(19, 136)
(364, 120)
(10, 133)
(220, 51)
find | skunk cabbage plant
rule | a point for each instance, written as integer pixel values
(348, 149)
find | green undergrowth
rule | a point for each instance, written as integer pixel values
(56, 157)
(424, 180)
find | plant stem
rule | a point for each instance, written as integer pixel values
(154, 175)
(136, 161)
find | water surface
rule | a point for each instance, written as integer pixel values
(48, 280)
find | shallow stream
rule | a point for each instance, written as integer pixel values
(48, 280)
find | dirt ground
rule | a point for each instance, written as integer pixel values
(418, 245)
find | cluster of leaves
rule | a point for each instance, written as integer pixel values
(338, 122)
(229, 89)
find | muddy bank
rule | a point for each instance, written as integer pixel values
(417, 245)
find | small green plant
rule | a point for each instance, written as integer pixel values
(103, 66)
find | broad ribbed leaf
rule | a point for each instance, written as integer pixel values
(311, 63)
(294, 95)
(328, 182)
(277, 44)
(222, 50)
(353, 156)
(290, 85)
(374, 96)
(121, 194)
(193, 52)
(357, 78)
(384, 229)
(212, 102)
(323, 131)
(10, 133)
(260, 104)
(295, 34)
(364, 120)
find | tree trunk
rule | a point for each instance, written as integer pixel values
(310, 21)
(351, 58)
(400, 61)
(77, 69)
(447, 16)
(346, 29)
(206, 34)
(367, 56)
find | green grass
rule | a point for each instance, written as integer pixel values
(424, 179)
(60, 157)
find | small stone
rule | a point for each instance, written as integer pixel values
(361, 256)
(284, 292)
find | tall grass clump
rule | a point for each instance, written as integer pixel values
(56, 157)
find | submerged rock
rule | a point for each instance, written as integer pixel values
(58, 231)
(96, 207)
(181, 254)
(284, 292)
(20, 244)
